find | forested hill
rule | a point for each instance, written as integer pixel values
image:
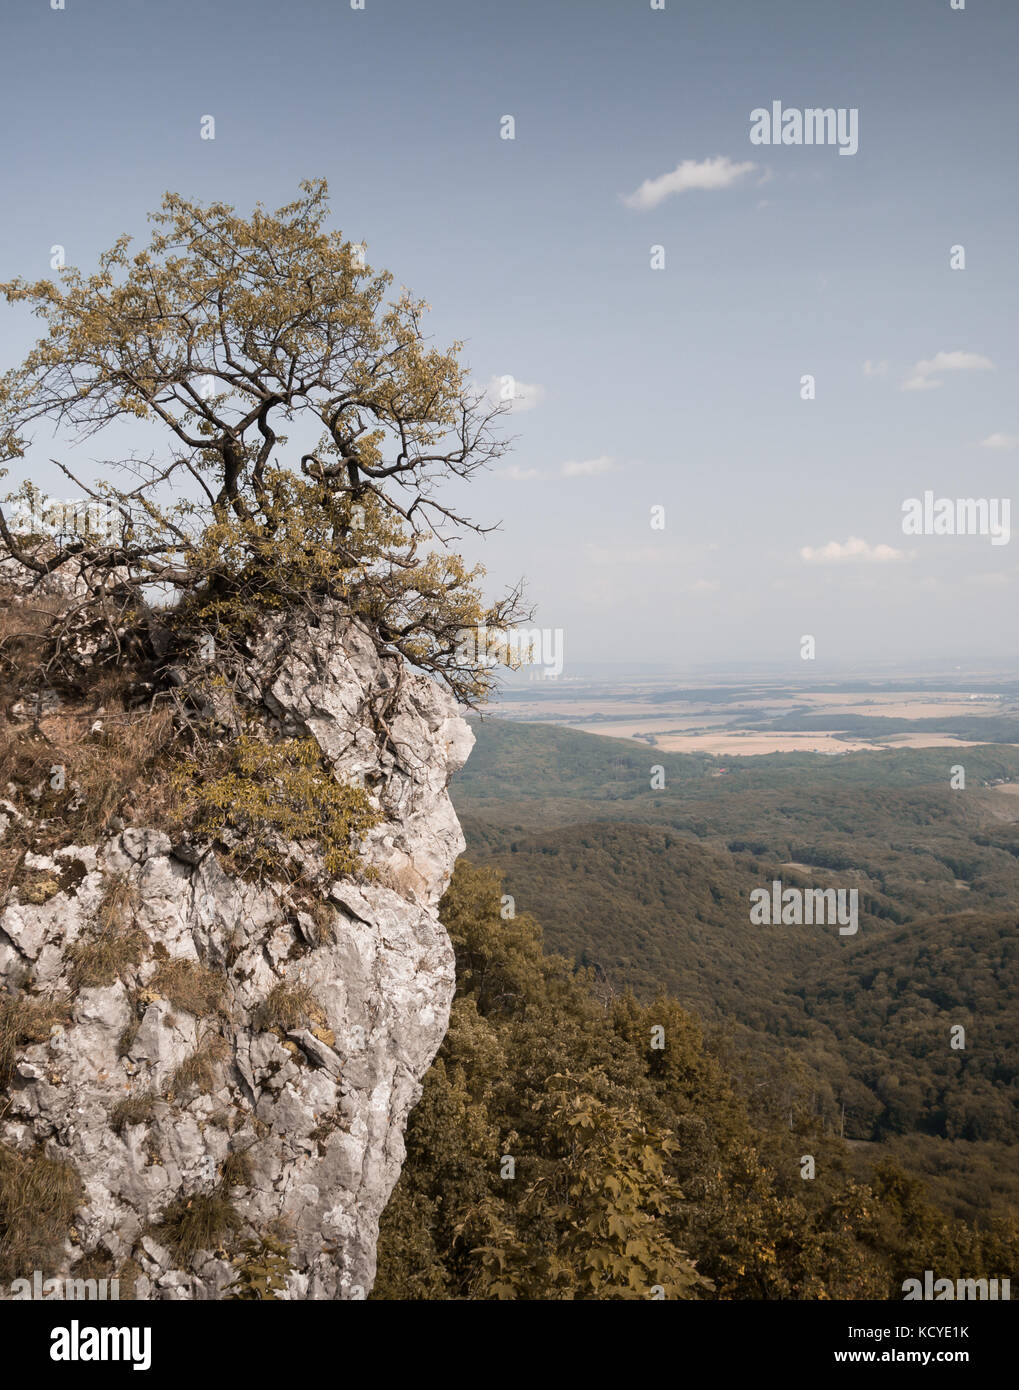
(571, 1146)
(515, 761)
(651, 888)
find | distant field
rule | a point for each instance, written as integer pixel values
(751, 721)
(729, 743)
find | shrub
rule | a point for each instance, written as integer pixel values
(262, 1270)
(272, 793)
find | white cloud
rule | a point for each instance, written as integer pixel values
(852, 551)
(1000, 441)
(587, 468)
(924, 376)
(522, 395)
(515, 474)
(718, 172)
(874, 368)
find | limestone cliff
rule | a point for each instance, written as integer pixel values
(297, 1125)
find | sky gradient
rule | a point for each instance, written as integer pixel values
(678, 387)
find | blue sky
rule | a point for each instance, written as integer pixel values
(677, 387)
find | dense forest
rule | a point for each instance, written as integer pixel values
(573, 1145)
(649, 890)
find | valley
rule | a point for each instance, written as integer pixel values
(649, 890)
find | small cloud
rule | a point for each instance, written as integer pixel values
(1000, 441)
(514, 474)
(704, 586)
(718, 172)
(875, 368)
(852, 551)
(522, 395)
(587, 468)
(924, 375)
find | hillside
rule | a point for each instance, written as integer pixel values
(570, 1147)
(651, 889)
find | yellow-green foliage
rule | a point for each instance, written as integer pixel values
(275, 792)
(37, 886)
(609, 1196)
(262, 1270)
(38, 1199)
(296, 333)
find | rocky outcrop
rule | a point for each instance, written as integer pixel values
(297, 1127)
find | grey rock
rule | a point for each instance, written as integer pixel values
(321, 1124)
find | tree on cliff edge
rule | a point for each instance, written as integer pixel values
(305, 429)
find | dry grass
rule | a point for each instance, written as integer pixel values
(105, 746)
(236, 1170)
(121, 769)
(128, 1275)
(23, 629)
(132, 1110)
(191, 987)
(25, 1020)
(199, 1070)
(199, 1222)
(38, 1199)
(102, 958)
(287, 1007)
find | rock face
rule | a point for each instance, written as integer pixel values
(318, 1109)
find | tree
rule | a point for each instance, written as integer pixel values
(229, 337)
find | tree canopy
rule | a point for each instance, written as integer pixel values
(306, 426)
